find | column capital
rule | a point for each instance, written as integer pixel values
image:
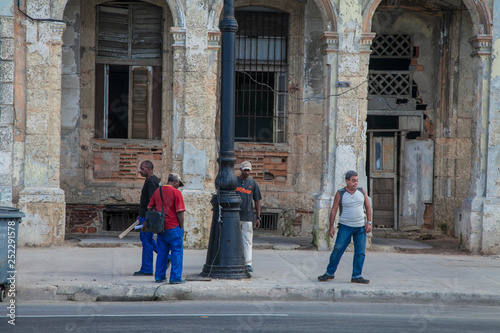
(179, 35)
(366, 42)
(331, 42)
(481, 45)
(214, 39)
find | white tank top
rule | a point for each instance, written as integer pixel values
(352, 213)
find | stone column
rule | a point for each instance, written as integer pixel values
(473, 209)
(6, 104)
(42, 199)
(346, 115)
(324, 200)
(194, 118)
(480, 227)
(491, 213)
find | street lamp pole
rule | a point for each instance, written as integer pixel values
(225, 256)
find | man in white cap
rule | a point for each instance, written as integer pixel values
(248, 191)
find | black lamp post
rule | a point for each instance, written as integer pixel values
(225, 256)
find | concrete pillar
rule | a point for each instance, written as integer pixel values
(7, 114)
(194, 118)
(42, 199)
(473, 207)
(491, 213)
(324, 200)
(346, 118)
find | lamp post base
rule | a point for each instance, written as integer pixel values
(225, 255)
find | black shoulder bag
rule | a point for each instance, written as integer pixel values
(155, 221)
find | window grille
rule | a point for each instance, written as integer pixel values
(261, 75)
(269, 221)
(119, 217)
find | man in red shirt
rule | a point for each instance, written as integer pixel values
(171, 240)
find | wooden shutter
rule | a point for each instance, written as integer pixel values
(113, 36)
(156, 102)
(130, 31)
(141, 102)
(146, 31)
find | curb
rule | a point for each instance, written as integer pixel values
(194, 291)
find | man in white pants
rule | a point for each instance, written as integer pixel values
(248, 191)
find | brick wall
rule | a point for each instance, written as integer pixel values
(83, 219)
(267, 166)
(120, 162)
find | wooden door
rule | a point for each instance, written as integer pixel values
(383, 179)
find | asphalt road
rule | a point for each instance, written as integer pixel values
(195, 316)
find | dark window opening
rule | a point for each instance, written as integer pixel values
(382, 122)
(389, 64)
(119, 217)
(269, 221)
(118, 89)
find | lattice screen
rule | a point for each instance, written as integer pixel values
(385, 45)
(393, 83)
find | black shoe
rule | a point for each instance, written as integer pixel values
(250, 269)
(161, 281)
(139, 273)
(360, 280)
(325, 277)
(181, 281)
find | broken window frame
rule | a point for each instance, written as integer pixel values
(261, 64)
(141, 53)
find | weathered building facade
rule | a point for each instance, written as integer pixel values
(405, 92)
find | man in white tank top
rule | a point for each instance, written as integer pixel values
(352, 202)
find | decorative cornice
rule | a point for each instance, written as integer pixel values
(179, 35)
(481, 45)
(331, 41)
(56, 32)
(214, 39)
(366, 42)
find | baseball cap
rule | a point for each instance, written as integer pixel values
(175, 177)
(246, 166)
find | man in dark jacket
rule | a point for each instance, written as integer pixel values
(148, 243)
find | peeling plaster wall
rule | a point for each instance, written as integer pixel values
(70, 103)
(6, 101)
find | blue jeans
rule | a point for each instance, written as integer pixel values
(344, 235)
(170, 241)
(148, 246)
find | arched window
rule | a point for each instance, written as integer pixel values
(128, 71)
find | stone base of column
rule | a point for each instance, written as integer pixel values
(479, 225)
(45, 220)
(491, 226)
(469, 222)
(322, 208)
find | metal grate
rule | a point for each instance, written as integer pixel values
(398, 46)
(269, 221)
(261, 75)
(118, 217)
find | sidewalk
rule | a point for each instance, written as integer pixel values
(105, 274)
